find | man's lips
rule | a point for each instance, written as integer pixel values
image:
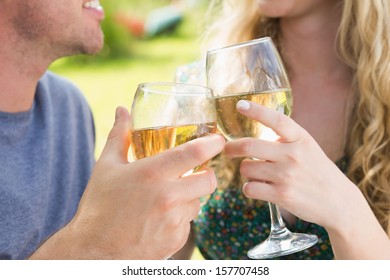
(96, 7)
(93, 4)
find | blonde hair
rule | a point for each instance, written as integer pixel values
(363, 42)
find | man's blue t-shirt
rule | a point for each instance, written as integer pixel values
(46, 158)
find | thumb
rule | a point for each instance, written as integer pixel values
(118, 140)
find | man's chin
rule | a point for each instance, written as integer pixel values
(82, 50)
(94, 51)
(92, 47)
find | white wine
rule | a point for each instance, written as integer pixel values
(150, 141)
(233, 125)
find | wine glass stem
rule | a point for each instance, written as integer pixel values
(277, 224)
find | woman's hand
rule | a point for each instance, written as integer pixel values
(292, 172)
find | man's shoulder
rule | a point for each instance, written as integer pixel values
(58, 89)
(57, 83)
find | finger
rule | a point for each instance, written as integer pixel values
(283, 126)
(177, 161)
(196, 185)
(255, 148)
(260, 170)
(192, 210)
(118, 141)
(260, 190)
(179, 214)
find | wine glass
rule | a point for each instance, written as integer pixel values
(165, 115)
(254, 71)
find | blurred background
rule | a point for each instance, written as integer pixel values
(144, 41)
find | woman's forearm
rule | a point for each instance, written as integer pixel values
(360, 236)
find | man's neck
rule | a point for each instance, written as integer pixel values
(19, 75)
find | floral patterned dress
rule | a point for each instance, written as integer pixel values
(228, 227)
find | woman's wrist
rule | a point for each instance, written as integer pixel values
(353, 226)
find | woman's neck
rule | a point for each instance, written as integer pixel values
(320, 81)
(309, 44)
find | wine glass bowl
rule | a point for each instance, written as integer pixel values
(254, 71)
(234, 126)
(165, 115)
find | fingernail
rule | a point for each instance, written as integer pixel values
(243, 105)
(118, 112)
(246, 190)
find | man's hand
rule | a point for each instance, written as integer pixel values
(138, 210)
